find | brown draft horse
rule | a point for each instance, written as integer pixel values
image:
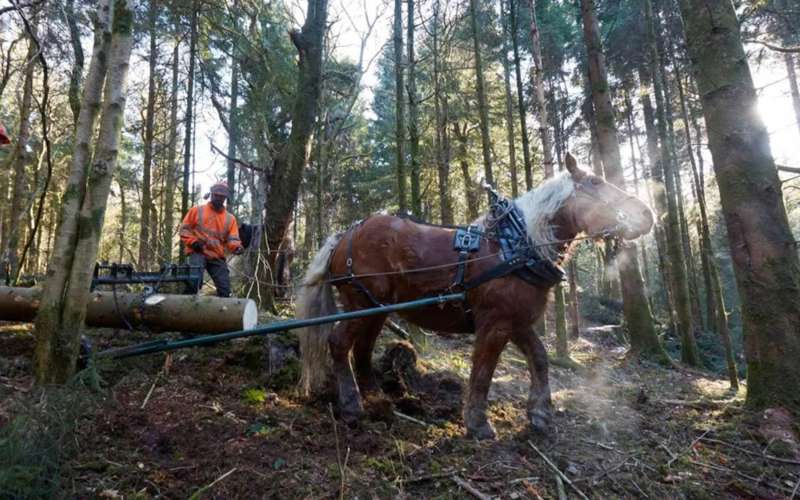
(384, 251)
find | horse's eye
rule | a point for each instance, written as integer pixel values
(596, 181)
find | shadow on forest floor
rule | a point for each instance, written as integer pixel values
(622, 430)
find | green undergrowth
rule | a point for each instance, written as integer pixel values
(40, 437)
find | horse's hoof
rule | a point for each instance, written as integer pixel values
(541, 423)
(484, 432)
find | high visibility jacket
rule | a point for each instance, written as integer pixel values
(217, 230)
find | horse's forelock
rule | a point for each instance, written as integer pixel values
(540, 205)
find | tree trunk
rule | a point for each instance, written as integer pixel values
(562, 345)
(18, 160)
(574, 314)
(666, 207)
(765, 260)
(480, 90)
(788, 59)
(146, 240)
(63, 308)
(76, 73)
(233, 135)
(638, 317)
(442, 138)
(537, 80)
(469, 186)
(512, 150)
(399, 107)
(523, 123)
(413, 125)
(187, 126)
(286, 178)
(159, 312)
(171, 173)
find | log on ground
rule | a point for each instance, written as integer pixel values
(158, 312)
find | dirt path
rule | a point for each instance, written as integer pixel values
(212, 427)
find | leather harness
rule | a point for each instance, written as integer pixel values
(506, 226)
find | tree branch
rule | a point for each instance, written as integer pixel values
(776, 48)
(238, 161)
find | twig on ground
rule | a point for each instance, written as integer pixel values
(558, 471)
(750, 452)
(601, 445)
(411, 419)
(471, 489)
(794, 491)
(639, 489)
(562, 493)
(741, 474)
(338, 453)
(688, 448)
(669, 452)
(150, 392)
(430, 477)
(197, 494)
(523, 479)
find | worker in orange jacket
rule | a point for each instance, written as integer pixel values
(207, 231)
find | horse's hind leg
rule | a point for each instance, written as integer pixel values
(360, 333)
(540, 406)
(362, 353)
(489, 344)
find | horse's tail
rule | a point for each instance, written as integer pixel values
(316, 299)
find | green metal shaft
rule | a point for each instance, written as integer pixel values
(171, 345)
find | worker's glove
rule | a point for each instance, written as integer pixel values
(197, 246)
(238, 251)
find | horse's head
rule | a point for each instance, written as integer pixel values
(601, 208)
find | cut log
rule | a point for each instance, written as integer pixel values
(158, 312)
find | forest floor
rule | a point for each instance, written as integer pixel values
(212, 427)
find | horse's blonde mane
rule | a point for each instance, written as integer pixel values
(540, 205)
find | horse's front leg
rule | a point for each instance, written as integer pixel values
(490, 341)
(540, 406)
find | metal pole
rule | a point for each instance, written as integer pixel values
(171, 345)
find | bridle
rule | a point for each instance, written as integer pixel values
(586, 187)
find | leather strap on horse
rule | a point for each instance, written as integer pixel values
(351, 277)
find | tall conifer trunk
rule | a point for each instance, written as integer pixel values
(146, 240)
(537, 79)
(188, 121)
(480, 90)
(399, 107)
(666, 205)
(413, 117)
(638, 317)
(168, 229)
(765, 261)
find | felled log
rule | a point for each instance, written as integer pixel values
(158, 312)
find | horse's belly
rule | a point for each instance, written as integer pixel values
(449, 318)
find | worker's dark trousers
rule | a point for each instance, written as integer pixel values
(217, 268)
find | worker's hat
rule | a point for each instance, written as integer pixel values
(221, 188)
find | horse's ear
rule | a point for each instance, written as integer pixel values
(572, 167)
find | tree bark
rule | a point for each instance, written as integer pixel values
(791, 73)
(638, 317)
(413, 117)
(762, 245)
(512, 150)
(399, 107)
(76, 73)
(287, 177)
(159, 312)
(187, 126)
(469, 186)
(480, 90)
(63, 308)
(171, 173)
(537, 80)
(523, 123)
(442, 137)
(667, 208)
(146, 240)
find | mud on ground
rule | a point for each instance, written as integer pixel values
(212, 427)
